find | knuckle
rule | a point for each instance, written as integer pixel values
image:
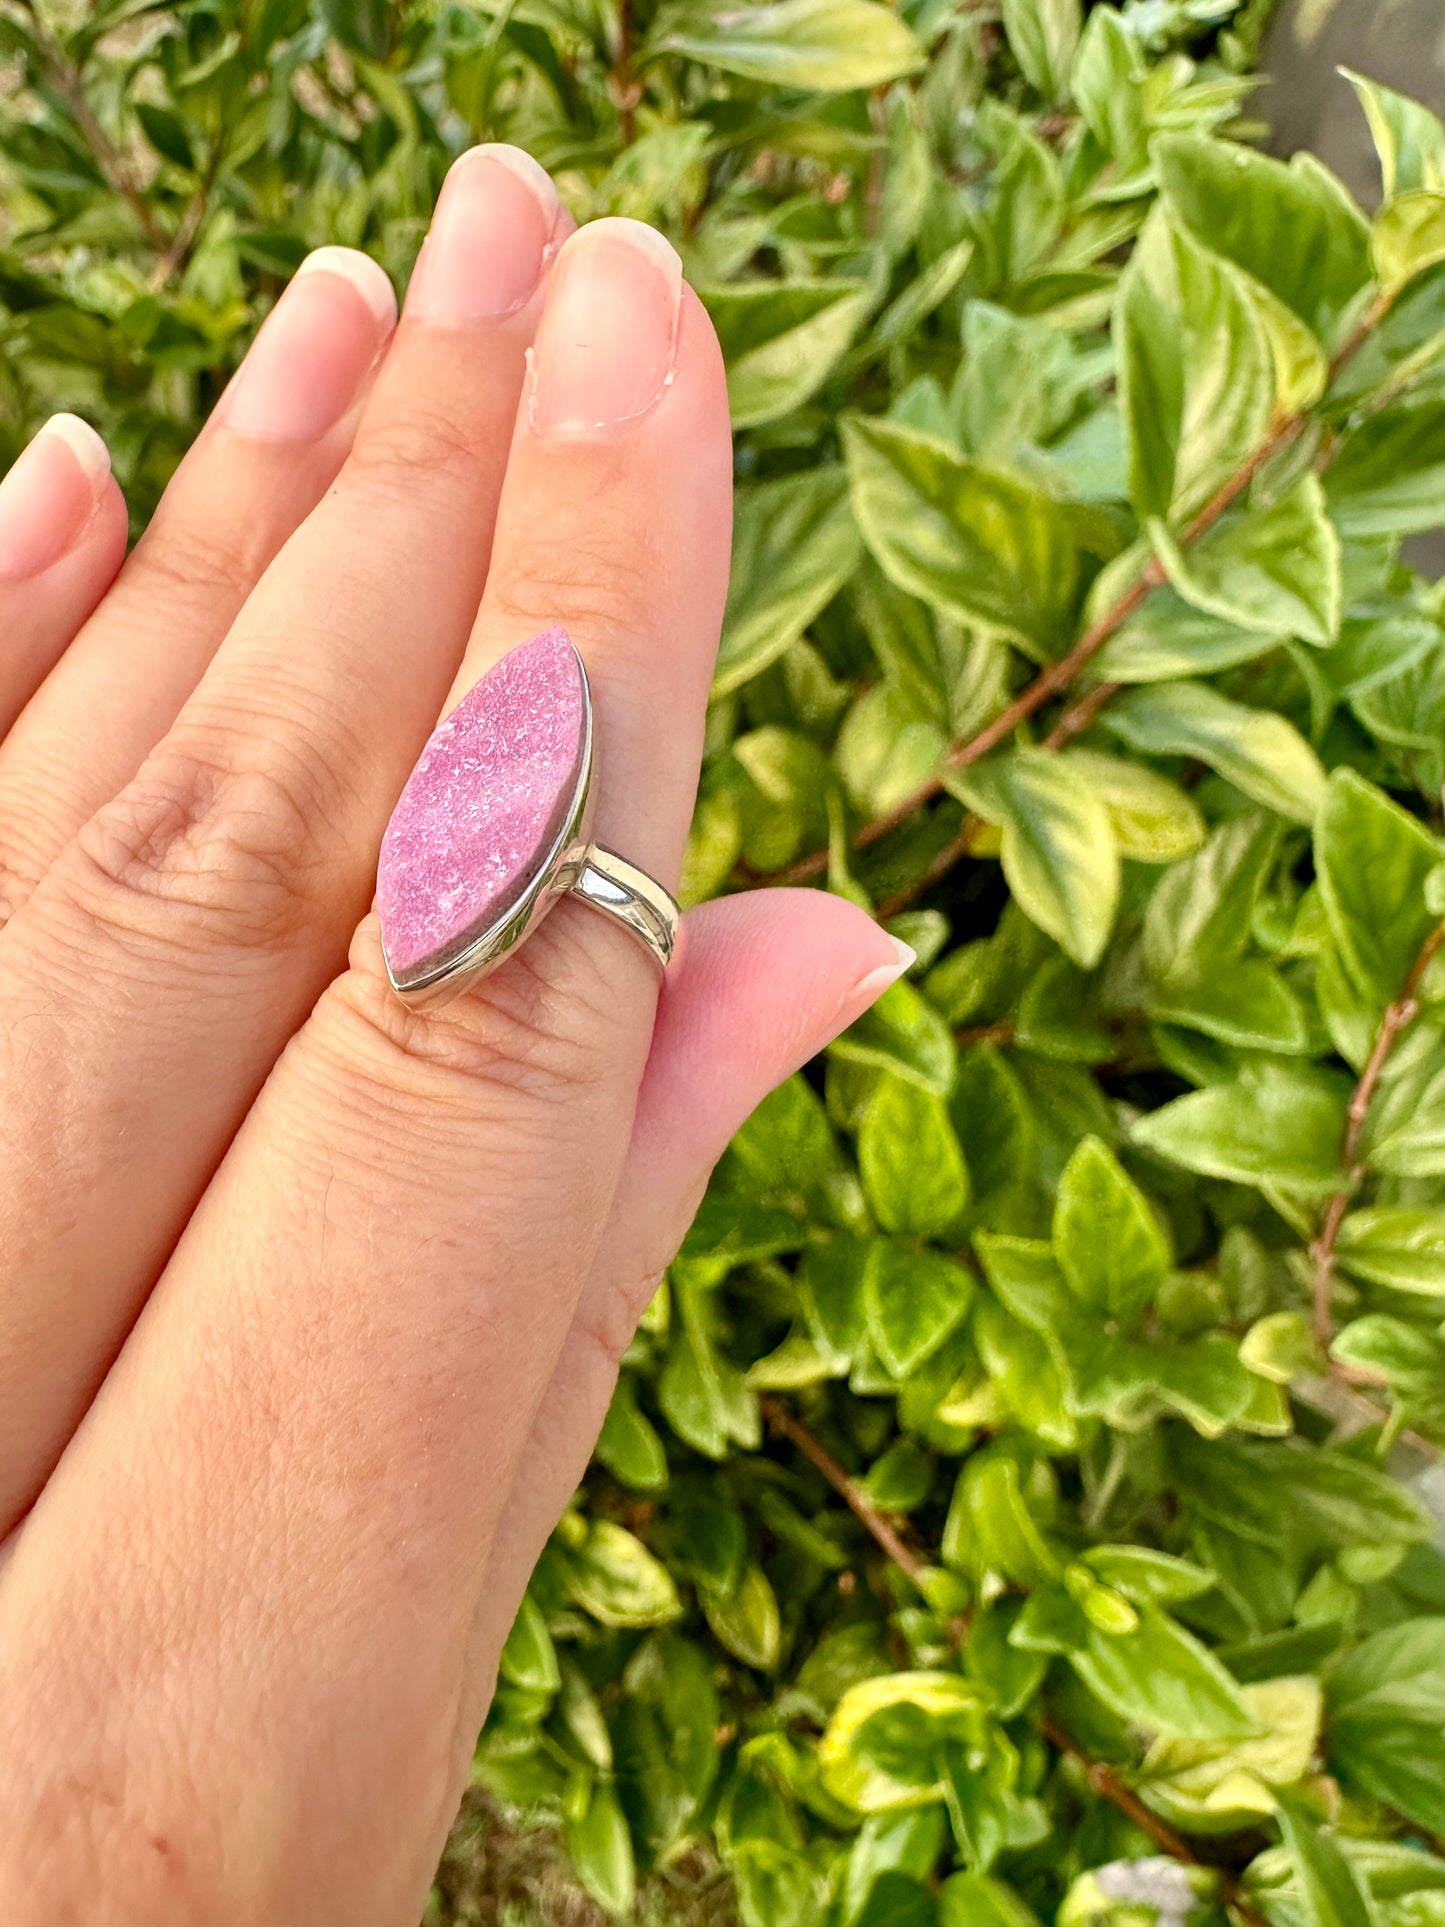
(199, 850)
(22, 863)
(591, 586)
(191, 559)
(424, 444)
(536, 1030)
(609, 1323)
(607, 1316)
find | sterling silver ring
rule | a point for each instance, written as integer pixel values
(495, 824)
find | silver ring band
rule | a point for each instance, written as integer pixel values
(630, 897)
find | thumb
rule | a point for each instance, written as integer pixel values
(762, 982)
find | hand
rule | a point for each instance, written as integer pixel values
(312, 1304)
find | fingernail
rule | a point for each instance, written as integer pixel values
(489, 238)
(870, 988)
(49, 495)
(315, 349)
(605, 348)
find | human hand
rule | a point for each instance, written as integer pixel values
(312, 1304)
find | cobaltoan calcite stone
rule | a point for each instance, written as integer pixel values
(484, 808)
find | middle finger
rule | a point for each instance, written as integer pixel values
(174, 946)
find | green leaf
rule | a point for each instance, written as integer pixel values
(1397, 1673)
(1276, 1125)
(978, 1900)
(912, 1167)
(1154, 820)
(1108, 1242)
(990, 1528)
(615, 1578)
(1169, 638)
(1255, 749)
(601, 1849)
(1399, 1762)
(1060, 854)
(1389, 475)
(629, 1445)
(1146, 1576)
(746, 1620)
(1332, 1893)
(1408, 138)
(1161, 1678)
(782, 340)
(1396, 1245)
(529, 1658)
(1107, 83)
(972, 541)
(1408, 237)
(893, 1765)
(795, 544)
(902, 1033)
(826, 45)
(1196, 373)
(1291, 227)
(1199, 917)
(1044, 35)
(1275, 570)
(914, 1299)
(167, 134)
(1372, 859)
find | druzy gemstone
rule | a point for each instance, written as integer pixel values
(484, 806)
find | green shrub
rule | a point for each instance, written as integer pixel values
(1018, 1501)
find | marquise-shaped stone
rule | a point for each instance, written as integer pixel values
(484, 808)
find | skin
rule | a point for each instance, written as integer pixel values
(310, 1305)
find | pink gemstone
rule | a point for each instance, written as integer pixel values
(484, 807)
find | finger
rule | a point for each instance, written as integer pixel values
(62, 538)
(267, 455)
(767, 979)
(197, 916)
(343, 1360)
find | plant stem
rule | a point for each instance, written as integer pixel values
(1397, 1018)
(1055, 679)
(1102, 1779)
(191, 222)
(625, 90)
(115, 170)
(1105, 1782)
(848, 1490)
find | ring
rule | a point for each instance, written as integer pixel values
(495, 824)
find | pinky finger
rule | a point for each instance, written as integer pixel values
(764, 980)
(62, 540)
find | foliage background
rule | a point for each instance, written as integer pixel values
(1020, 1502)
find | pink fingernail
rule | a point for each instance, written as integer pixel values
(870, 988)
(608, 337)
(489, 240)
(306, 367)
(48, 497)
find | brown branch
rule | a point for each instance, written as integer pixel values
(1106, 1783)
(191, 221)
(1397, 1018)
(848, 1490)
(1001, 1033)
(114, 168)
(1102, 1779)
(626, 93)
(1056, 678)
